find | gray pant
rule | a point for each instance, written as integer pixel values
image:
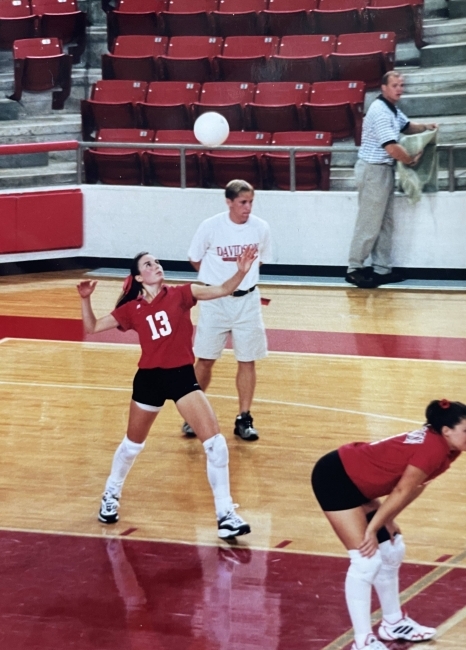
(374, 225)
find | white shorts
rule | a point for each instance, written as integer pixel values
(242, 317)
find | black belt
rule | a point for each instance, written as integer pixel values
(240, 292)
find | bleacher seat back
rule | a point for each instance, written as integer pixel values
(277, 106)
(312, 170)
(303, 57)
(287, 17)
(190, 58)
(239, 17)
(16, 22)
(227, 98)
(164, 167)
(189, 17)
(337, 106)
(222, 166)
(168, 105)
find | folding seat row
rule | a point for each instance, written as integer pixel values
(21, 19)
(225, 18)
(304, 58)
(269, 170)
(334, 106)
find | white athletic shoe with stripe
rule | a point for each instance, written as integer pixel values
(405, 629)
(372, 643)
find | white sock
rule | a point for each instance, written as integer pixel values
(123, 460)
(218, 473)
(358, 588)
(386, 582)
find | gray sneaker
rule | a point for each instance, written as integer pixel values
(188, 431)
(244, 428)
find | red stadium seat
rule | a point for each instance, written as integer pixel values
(303, 58)
(189, 58)
(239, 17)
(365, 57)
(189, 17)
(400, 16)
(339, 16)
(62, 19)
(247, 58)
(16, 22)
(222, 166)
(228, 98)
(135, 17)
(312, 169)
(40, 64)
(337, 106)
(277, 106)
(112, 105)
(287, 17)
(134, 57)
(164, 167)
(117, 166)
(168, 105)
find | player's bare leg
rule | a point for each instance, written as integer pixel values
(141, 419)
(196, 409)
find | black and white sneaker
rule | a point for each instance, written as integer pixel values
(188, 431)
(244, 428)
(405, 629)
(232, 525)
(109, 508)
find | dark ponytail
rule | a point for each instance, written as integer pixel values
(443, 413)
(131, 287)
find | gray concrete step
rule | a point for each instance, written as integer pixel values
(443, 54)
(54, 174)
(440, 31)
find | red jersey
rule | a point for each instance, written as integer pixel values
(376, 467)
(164, 327)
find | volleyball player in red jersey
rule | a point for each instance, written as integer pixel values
(348, 483)
(160, 314)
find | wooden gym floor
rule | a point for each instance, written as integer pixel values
(344, 364)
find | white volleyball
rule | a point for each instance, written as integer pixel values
(211, 129)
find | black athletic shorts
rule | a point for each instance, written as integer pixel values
(333, 487)
(152, 386)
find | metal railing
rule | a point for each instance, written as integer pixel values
(79, 147)
(450, 148)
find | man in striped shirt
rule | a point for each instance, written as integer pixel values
(375, 179)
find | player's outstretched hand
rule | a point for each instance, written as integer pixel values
(246, 259)
(86, 288)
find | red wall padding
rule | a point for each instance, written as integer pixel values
(8, 222)
(41, 221)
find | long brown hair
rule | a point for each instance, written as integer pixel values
(134, 288)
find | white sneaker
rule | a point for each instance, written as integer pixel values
(372, 643)
(109, 508)
(406, 629)
(232, 525)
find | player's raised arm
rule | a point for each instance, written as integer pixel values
(244, 262)
(91, 323)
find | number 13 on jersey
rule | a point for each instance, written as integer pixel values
(162, 327)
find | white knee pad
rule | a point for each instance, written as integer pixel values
(364, 568)
(393, 553)
(217, 450)
(131, 449)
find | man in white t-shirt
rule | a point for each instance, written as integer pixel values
(216, 244)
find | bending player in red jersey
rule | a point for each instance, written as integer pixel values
(348, 483)
(160, 314)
